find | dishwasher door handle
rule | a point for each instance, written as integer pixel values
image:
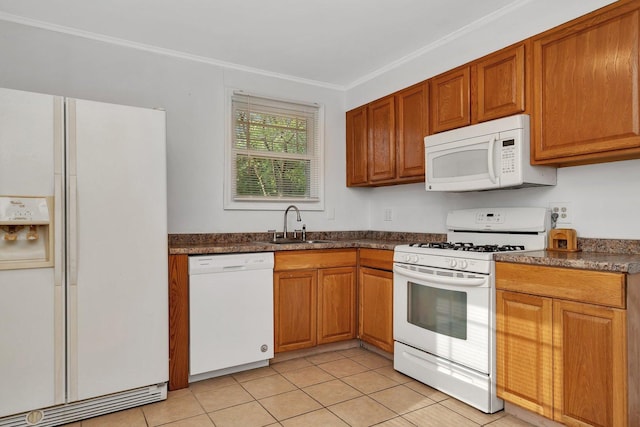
(234, 267)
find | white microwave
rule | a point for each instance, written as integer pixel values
(486, 156)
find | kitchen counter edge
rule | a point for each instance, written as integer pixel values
(227, 248)
(599, 261)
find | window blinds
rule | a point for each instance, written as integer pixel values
(275, 150)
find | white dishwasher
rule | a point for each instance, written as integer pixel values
(230, 313)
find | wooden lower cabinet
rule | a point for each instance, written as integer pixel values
(295, 301)
(590, 364)
(524, 351)
(375, 296)
(314, 302)
(178, 322)
(564, 359)
(336, 304)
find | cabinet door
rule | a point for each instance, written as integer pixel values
(586, 91)
(295, 301)
(500, 84)
(589, 364)
(357, 146)
(524, 351)
(375, 295)
(382, 139)
(336, 304)
(412, 127)
(449, 103)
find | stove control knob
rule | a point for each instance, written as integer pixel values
(452, 263)
(463, 264)
(411, 258)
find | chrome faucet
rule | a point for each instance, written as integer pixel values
(284, 234)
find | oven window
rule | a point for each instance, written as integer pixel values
(439, 310)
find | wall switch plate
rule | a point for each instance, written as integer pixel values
(331, 213)
(564, 211)
(388, 214)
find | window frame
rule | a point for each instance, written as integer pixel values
(230, 203)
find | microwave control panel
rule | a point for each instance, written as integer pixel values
(508, 156)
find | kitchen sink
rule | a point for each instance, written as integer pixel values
(296, 241)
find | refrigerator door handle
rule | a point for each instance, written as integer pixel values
(73, 230)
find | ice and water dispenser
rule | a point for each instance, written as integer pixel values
(26, 232)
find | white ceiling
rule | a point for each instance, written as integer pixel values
(336, 43)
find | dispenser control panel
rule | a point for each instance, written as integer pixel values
(24, 210)
(26, 232)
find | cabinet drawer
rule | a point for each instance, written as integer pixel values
(300, 260)
(593, 287)
(376, 258)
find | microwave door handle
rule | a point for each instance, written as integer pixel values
(492, 145)
(458, 281)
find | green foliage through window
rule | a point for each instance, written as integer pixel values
(274, 150)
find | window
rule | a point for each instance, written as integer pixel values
(274, 155)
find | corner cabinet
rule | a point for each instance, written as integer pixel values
(385, 139)
(489, 88)
(357, 147)
(586, 88)
(375, 298)
(314, 298)
(562, 348)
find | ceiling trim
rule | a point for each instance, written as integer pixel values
(439, 43)
(206, 60)
(158, 50)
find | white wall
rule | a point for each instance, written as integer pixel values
(605, 198)
(523, 19)
(192, 94)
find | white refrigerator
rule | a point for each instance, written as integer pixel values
(83, 258)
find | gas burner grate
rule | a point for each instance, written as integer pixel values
(467, 246)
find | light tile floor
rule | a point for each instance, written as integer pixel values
(353, 387)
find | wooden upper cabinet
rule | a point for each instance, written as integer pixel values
(385, 139)
(489, 88)
(499, 84)
(587, 88)
(382, 139)
(412, 126)
(357, 135)
(450, 99)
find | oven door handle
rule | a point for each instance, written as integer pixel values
(458, 281)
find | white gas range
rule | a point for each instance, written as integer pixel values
(444, 300)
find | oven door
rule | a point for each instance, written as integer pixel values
(443, 312)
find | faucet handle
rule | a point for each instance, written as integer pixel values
(275, 234)
(295, 233)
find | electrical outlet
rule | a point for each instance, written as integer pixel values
(564, 211)
(388, 214)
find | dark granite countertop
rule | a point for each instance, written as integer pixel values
(222, 248)
(200, 244)
(620, 256)
(600, 261)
